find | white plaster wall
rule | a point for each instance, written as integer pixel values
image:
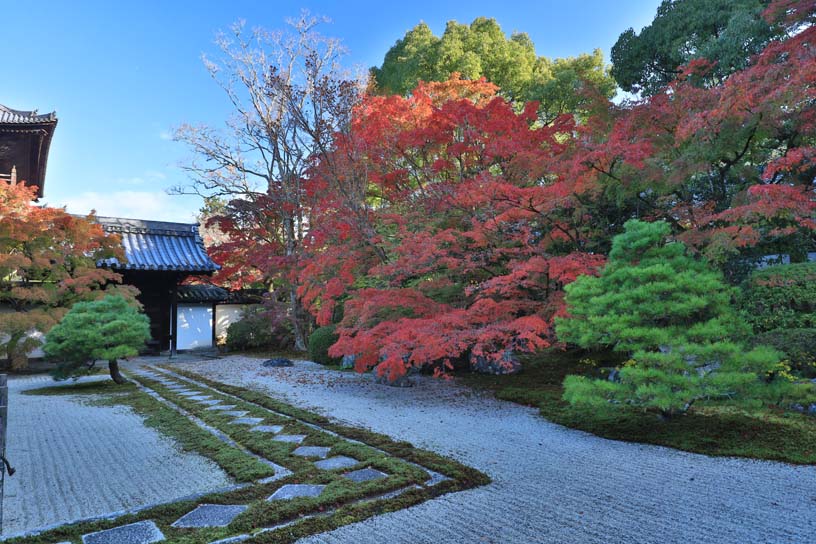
(225, 315)
(195, 325)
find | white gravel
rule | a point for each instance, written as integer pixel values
(75, 460)
(550, 484)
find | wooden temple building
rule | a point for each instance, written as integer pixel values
(159, 255)
(25, 138)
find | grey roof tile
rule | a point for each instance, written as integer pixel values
(158, 245)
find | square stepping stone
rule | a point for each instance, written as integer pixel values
(223, 407)
(365, 475)
(211, 402)
(339, 461)
(293, 438)
(143, 532)
(274, 429)
(312, 451)
(246, 420)
(210, 515)
(234, 413)
(293, 491)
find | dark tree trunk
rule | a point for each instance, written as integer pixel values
(113, 366)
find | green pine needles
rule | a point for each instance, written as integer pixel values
(101, 330)
(673, 315)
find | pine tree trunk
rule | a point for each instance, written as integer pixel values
(113, 366)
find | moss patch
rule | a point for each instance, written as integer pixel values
(712, 428)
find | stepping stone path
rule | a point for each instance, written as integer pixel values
(339, 461)
(274, 429)
(312, 451)
(365, 475)
(246, 420)
(143, 532)
(210, 515)
(293, 491)
(293, 438)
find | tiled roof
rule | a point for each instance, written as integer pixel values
(158, 245)
(212, 293)
(201, 293)
(10, 116)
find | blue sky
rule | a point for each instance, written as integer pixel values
(122, 75)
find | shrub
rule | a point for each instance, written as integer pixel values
(259, 330)
(673, 314)
(319, 343)
(108, 329)
(798, 344)
(781, 297)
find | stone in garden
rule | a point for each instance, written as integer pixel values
(365, 475)
(508, 364)
(246, 420)
(402, 381)
(198, 397)
(190, 394)
(293, 491)
(212, 402)
(293, 438)
(143, 532)
(274, 429)
(339, 461)
(348, 361)
(210, 515)
(234, 413)
(312, 451)
(225, 407)
(278, 362)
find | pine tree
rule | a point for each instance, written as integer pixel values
(102, 330)
(673, 315)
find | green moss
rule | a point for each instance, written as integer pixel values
(711, 428)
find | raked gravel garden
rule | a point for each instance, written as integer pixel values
(485, 471)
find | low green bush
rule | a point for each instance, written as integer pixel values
(781, 297)
(257, 330)
(798, 344)
(319, 343)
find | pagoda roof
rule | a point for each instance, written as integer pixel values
(22, 117)
(158, 246)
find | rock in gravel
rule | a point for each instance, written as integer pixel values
(278, 362)
(348, 361)
(507, 364)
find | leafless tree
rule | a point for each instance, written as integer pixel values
(290, 96)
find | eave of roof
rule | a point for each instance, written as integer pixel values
(22, 117)
(158, 246)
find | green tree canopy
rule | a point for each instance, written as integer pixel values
(102, 330)
(673, 315)
(482, 49)
(727, 32)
